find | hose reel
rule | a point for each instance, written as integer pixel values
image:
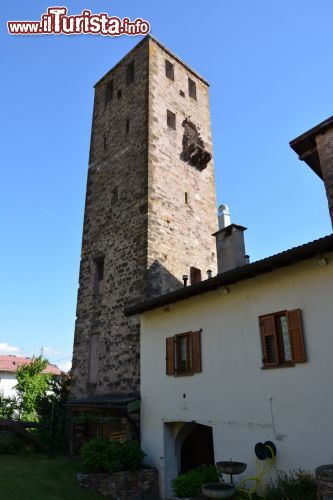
(265, 450)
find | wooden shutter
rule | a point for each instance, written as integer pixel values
(296, 336)
(269, 340)
(170, 356)
(196, 351)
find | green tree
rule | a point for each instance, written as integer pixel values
(52, 412)
(31, 385)
(7, 407)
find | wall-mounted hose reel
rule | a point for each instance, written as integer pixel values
(265, 450)
(266, 453)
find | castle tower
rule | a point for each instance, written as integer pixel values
(150, 209)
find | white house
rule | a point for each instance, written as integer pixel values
(8, 367)
(245, 356)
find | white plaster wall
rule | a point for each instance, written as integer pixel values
(7, 384)
(232, 392)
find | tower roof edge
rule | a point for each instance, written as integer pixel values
(157, 42)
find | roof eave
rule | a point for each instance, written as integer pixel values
(306, 148)
(283, 259)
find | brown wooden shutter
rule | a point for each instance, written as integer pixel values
(170, 356)
(296, 336)
(196, 351)
(269, 340)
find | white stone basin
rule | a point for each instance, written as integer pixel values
(218, 490)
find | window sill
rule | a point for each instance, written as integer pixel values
(285, 365)
(183, 374)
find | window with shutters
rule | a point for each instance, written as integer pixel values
(282, 339)
(183, 354)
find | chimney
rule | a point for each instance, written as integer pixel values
(315, 147)
(230, 245)
(223, 216)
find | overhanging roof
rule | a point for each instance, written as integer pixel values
(306, 148)
(280, 260)
(105, 400)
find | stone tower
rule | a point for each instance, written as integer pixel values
(150, 209)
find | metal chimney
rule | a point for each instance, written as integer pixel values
(223, 216)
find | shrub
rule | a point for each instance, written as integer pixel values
(11, 444)
(189, 484)
(101, 455)
(8, 406)
(131, 455)
(295, 485)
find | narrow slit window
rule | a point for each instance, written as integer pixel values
(99, 276)
(169, 70)
(94, 350)
(192, 89)
(130, 73)
(171, 119)
(186, 198)
(108, 91)
(127, 126)
(119, 94)
(114, 196)
(104, 142)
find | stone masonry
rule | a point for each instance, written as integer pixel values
(149, 214)
(325, 151)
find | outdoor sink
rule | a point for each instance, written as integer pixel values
(230, 467)
(218, 490)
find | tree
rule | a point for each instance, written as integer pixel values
(32, 384)
(53, 413)
(7, 407)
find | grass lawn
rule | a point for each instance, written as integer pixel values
(37, 477)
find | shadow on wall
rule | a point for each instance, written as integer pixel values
(160, 281)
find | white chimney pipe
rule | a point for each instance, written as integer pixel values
(223, 216)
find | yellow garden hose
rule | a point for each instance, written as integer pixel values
(260, 472)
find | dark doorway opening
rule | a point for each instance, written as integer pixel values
(197, 448)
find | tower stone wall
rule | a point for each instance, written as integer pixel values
(141, 231)
(182, 202)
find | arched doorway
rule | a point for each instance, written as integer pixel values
(197, 448)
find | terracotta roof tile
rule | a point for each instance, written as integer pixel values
(10, 363)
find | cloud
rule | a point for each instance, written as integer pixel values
(9, 349)
(65, 367)
(50, 351)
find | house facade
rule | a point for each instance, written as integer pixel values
(245, 356)
(237, 398)
(8, 367)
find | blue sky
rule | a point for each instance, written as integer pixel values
(270, 67)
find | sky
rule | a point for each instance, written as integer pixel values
(269, 64)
